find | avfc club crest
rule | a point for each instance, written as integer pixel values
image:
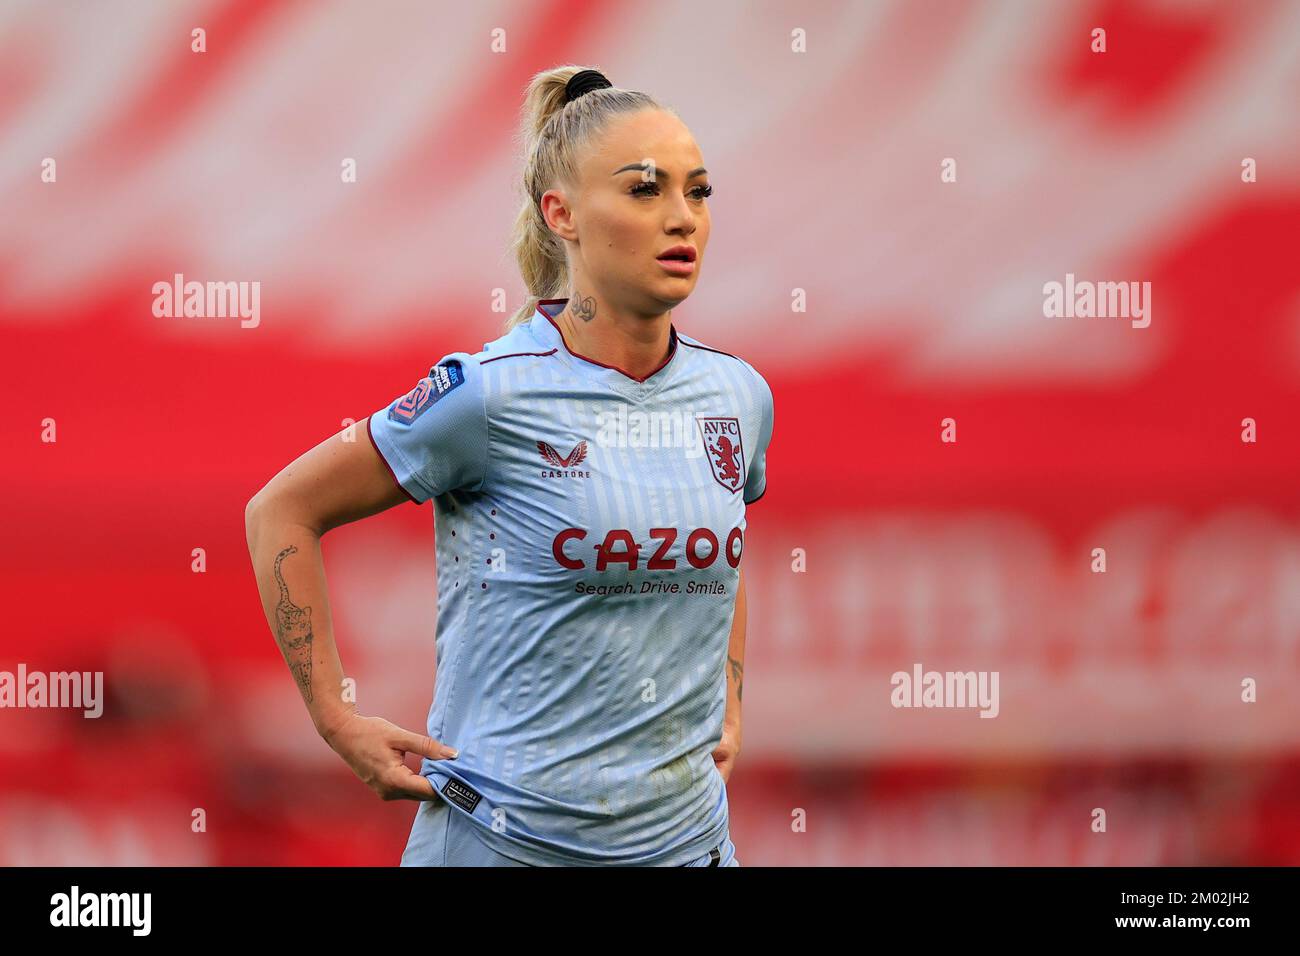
(724, 449)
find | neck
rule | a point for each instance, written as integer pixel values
(636, 343)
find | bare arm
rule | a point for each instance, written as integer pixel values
(729, 747)
(337, 482)
(736, 658)
(334, 483)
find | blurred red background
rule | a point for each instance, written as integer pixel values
(924, 301)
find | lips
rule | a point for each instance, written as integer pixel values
(678, 254)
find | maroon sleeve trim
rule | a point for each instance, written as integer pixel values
(387, 465)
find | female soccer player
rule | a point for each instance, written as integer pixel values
(590, 470)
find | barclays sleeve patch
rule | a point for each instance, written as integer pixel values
(442, 378)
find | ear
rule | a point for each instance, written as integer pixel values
(558, 214)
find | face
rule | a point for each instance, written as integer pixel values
(641, 191)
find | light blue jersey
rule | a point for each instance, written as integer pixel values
(589, 535)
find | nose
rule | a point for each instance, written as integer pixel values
(681, 219)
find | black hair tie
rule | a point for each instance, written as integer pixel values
(584, 81)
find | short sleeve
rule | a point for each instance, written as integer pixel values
(435, 437)
(756, 479)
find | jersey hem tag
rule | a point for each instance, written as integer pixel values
(464, 797)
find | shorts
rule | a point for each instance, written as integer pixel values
(441, 836)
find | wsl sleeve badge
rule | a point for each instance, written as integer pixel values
(440, 380)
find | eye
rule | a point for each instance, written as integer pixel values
(652, 189)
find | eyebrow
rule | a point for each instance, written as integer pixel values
(658, 174)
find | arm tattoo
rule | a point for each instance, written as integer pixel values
(583, 308)
(293, 630)
(738, 673)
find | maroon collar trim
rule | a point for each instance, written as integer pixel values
(672, 344)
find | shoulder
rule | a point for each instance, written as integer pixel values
(493, 373)
(517, 344)
(512, 349)
(732, 363)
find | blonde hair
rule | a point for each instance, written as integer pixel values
(552, 135)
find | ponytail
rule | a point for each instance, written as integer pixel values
(552, 133)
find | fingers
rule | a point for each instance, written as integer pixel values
(407, 785)
(375, 749)
(426, 746)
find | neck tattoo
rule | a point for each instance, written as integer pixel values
(582, 307)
